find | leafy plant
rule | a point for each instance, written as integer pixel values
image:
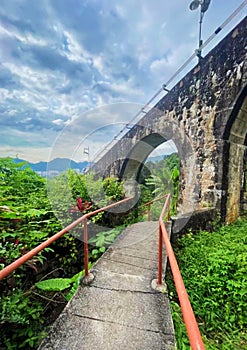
(182, 340)
(102, 240)
(164, 179)
(54, 284)
(61, 284)
(75, 280)
(213, 266)
(21, 321)
(113, 188)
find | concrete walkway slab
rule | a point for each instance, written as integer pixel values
(119, 309)
(75, 333)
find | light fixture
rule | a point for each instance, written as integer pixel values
(204, 4)
(194, 5)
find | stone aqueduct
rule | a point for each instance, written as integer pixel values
(205, 114)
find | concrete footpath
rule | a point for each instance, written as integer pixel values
(119, 310)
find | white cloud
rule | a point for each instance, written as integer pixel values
(27, 38)
(4, 94)
(159, 66)
(76, 51)
(98, 62)
(31, 154)
(59, 63)
(167, 147)
(58, 121)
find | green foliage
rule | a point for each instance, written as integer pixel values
(21, 321)
(24, 212)
(77, 185)
(66, 189)
(182, 340)
(214, 268)
(75, 280)
(61, 198)
(160, 180)
(54, 284)
(61, 284)
(100, 192)
(27, 218)
(102, 240)
(164, 178)
(16, 181)
(113, 188)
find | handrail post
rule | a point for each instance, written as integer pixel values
(169, 209)
(149, 214)
(160, 248)
(85, 247)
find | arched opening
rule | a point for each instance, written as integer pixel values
(159, 176)
(234, 172)
(135, 168)
(135, 160)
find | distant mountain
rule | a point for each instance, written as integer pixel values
(58, 164)
(62, 164)
(155, 159)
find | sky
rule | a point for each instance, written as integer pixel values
(74, 72)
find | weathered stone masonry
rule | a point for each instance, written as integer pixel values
(205, 115)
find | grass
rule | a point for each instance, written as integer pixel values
(214, 269)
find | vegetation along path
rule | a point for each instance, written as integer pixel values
(119, 309)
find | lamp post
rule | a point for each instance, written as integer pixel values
(204, 4)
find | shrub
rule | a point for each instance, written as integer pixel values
(213, 266)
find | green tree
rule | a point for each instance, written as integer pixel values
(165, 178)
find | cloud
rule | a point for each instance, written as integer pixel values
(58, 122)
(61, 59)
(167, 147)
(32, 154)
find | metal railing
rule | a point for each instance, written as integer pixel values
(83, 219)
(148, 204)
(193, 332)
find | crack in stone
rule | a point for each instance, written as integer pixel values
(134, 256)
(136, 250)
(122, 324)
(124, 290)
(125, 263)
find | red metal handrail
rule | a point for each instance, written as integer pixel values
(20, 261)
(148, 204)
(193, 332)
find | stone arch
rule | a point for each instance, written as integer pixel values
(135, 159)
(235, 136)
